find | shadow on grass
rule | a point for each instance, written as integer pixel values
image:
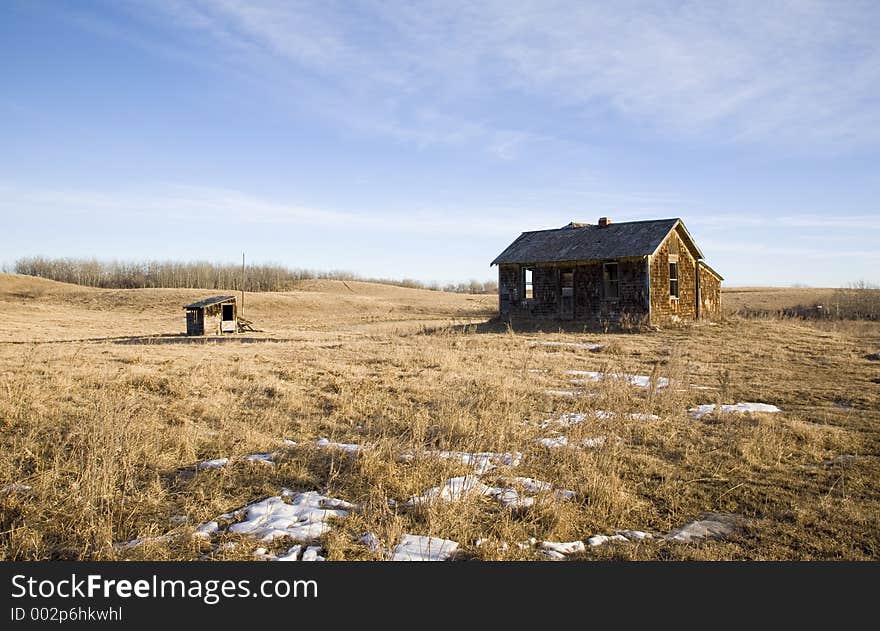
(496, 325)
(165, 338)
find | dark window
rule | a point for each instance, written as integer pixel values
(228, 311)
(673, 280)
(529, 287)
(566, 281)
(609, 276)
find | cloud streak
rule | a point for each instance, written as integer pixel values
(804, 75)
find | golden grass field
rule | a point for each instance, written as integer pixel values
(107, 408)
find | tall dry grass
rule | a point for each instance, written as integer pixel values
(107, 436)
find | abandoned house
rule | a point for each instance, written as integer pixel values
(643, 271)
(212, 316)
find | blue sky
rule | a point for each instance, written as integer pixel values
(418, 139)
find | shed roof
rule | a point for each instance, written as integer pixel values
(207, 302)
(584, 242)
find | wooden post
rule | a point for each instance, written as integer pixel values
(242, 284)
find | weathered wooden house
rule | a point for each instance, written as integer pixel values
(644, 271)
(212, 316)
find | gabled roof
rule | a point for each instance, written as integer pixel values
(711, 271)
(207, 302)
(584, 242)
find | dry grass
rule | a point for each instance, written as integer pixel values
(101, 428)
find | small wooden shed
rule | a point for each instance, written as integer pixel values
(212, 316)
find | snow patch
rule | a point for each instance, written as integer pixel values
(635, 535)
(349, 447)
(599, 540)
(452, 490)
(576, 418)
(521, 491)
(563, 548)
(216, 463)
(421, 548)
(642, 381)
(566, 393)
(482, 461)
(737, 408)
(303, 517)
(371, 540)
(206, 530)
(262, 458)
(553, 442)
(594, 442)
(708, 526)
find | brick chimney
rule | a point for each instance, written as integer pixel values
(604, 222)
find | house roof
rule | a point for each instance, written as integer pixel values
(711, 271)
(207, 302)
(585, 242)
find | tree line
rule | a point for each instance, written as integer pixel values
(206, 275)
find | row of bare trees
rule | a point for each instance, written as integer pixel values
(204, 275)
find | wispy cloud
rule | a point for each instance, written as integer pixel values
(185, 204)
(787, 252)
(828, 222)
(800, 74)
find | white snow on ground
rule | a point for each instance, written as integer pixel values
(292, 554)
(421, 548)
(304, 518)
(349, 447)
(552, 443)
(576, 418)
(452, 490)
(635, 535)
(566, 420)
(589, 347)
(206, 530)
(371, 540)
(709, 526)
(641, 416)
(263, 458)
(521, 491)
(598, 540)
(555, 442)
(643, 381)
(288, 443)
(563, 548)
(564, 393)
(537, 371)
(216, 463)
(482, 461)
(311, 554)
(15, 487)
(738, 408)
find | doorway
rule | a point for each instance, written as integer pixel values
(228, 312)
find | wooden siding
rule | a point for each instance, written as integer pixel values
(664, 307)
(589, 301)
(710, 295)
(206, 320)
